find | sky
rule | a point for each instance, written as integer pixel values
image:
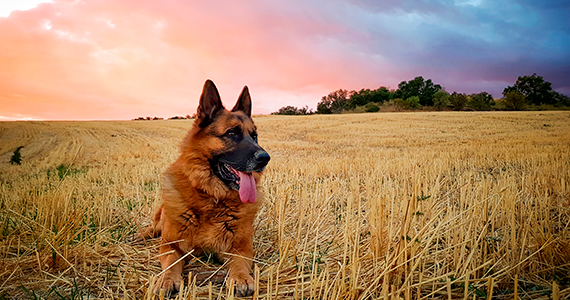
(118, 60)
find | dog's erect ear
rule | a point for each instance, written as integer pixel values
(244, 102)
(210, 104)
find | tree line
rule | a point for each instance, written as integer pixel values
(189, 117)
(528, 92)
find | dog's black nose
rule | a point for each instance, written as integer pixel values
(261, 157)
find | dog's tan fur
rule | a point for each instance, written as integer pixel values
(200, 212)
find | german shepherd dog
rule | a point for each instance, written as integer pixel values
(209, 194)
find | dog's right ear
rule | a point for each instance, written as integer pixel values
(210, 104)
(244, 102)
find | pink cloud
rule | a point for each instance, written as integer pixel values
(121, 59)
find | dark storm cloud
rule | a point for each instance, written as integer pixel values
(473, 45)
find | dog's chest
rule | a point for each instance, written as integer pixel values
(212, 226)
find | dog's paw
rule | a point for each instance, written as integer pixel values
(136, 238)
(243, 283)
(169, 283)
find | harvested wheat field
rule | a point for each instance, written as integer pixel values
(423, 205)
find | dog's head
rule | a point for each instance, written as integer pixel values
(230, 140)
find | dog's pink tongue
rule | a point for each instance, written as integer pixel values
(247, 192)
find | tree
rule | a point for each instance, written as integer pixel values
(292, 110)
(534, 88)
(418, 87)
(561, 99)
(515, 101)
(427, 92)
(324, 106)
(440, 99)
(286, 110)
(360, 98)
(407, 89)
(481, 101)
(366, 95)
(458, 100)
(334, 102)
(305, 111)
(382, 94)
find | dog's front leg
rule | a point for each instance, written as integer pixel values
(240, 267)
(170, 279)
(171, 250)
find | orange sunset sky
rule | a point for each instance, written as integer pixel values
(121, 59)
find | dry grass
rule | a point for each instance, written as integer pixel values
(368, 206)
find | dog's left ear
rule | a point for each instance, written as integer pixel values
(244, 102)
(210, 104)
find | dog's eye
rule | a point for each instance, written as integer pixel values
(234, 134)
(254, 136)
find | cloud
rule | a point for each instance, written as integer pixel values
(121, 56)
(123, 59)
(8, 6)
(473, 45)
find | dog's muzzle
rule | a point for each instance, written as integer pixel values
(236, 167)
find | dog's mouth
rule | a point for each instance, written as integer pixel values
(236, 180)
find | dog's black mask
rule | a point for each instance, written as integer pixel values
(247, 156)
(244, 156)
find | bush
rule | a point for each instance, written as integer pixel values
(515, 101)
(398, 103)
(412, 103)
(458, 100)
(17, 157)
(64, 170)
(481, 101)
(371, 107)
(441, 99)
